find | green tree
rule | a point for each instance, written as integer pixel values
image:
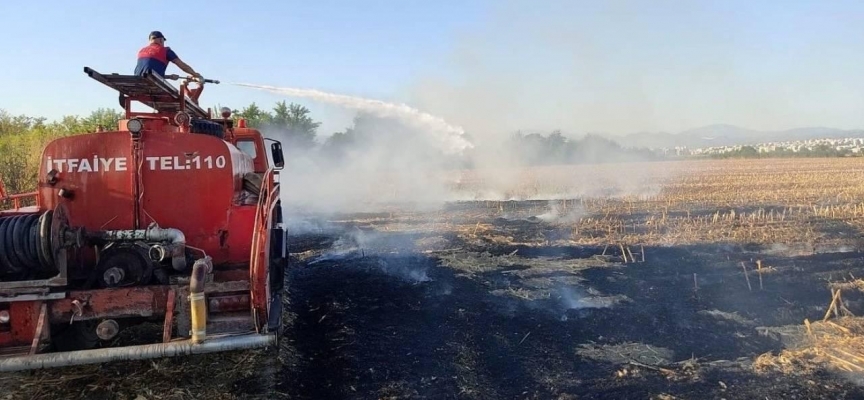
(294, 121)
(18, 166)
(337, 145)
(17, 124)
(104, 118)
(255, 117)
(289, 122)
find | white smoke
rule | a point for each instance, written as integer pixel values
(380, 248)
(397, 155)
(577, 298)
(449, 137)
(559, 215)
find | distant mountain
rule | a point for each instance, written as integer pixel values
(729, 135)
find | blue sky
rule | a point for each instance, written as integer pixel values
(613, 66)
(363, 48)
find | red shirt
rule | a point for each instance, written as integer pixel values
(154, 57)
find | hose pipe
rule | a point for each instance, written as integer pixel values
(200, 269)
(176, 248)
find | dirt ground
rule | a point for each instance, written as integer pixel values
(494, 300)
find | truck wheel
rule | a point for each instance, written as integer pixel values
(78, 336)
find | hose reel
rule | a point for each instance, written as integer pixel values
(29, 243)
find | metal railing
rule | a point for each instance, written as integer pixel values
(14, 202)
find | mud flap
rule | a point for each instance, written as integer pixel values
(276, 276)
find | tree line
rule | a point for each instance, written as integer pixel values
(23, 137)
(821, 150)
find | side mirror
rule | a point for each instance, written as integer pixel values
(278, 157)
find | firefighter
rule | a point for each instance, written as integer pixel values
(156, 56)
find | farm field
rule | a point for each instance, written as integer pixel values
(734, 279)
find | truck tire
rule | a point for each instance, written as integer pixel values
(80, 335)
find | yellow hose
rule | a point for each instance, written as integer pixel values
(197, 299)
(199, 317)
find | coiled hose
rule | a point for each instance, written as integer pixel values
(23, 252)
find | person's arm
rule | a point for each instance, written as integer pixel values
(186, 68)
(172, 57)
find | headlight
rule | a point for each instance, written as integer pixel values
(134, 125)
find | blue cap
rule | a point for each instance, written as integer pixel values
(157, 35)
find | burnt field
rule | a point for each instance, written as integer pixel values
(733, 279)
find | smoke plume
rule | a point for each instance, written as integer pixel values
(449, 137)
(481, 117)
(375, 251)
(397, 155)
